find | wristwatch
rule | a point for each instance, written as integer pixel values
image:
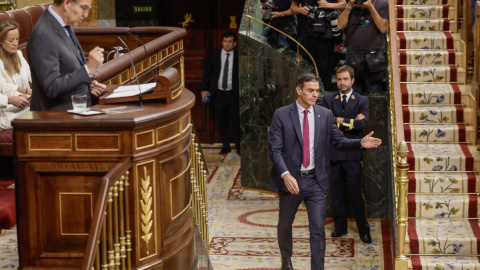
(347, 7)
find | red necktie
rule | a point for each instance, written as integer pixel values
(306, 141)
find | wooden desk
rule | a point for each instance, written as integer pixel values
(61, 158)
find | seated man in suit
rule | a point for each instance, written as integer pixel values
(58, 65)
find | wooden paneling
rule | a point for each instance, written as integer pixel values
(210, 20)
(57, 190)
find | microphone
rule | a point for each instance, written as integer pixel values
(134, 71)
(145, 49)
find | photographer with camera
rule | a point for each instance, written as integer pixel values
(321, 36)
(277, 13)
(365, 25)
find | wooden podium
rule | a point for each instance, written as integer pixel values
(168, 87)
(61, 159)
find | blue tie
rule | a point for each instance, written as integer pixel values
(73, 38)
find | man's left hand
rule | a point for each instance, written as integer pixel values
(96, 88)
(370, 142)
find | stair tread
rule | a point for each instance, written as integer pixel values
(457, 262)
(443, 236)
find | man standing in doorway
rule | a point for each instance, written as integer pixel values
(299, 141)
(220, 81)
(351, 114)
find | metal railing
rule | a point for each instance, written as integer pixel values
(299, 58)
(401, 180)
(109, 245)
(198, 179)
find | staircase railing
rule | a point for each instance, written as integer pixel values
(398, 149)
(476, 44)
(401, 180)
(198, 179)
(299, 58)
(109, 243)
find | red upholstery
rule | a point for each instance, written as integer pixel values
(6, 136)
(26, 18)
(6, 142)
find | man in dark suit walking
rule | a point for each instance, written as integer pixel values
(299, 139)
(351, 113)
(220, 81)
(58, 66)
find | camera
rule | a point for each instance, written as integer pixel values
(359, 2)
(268, 6)
(332, 14)
(313, 13)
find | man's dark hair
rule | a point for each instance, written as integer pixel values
(230, 34)
(346, 68)
(306, 77)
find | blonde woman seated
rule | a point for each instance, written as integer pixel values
(15, 75)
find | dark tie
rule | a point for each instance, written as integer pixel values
(306, 141)
(344, 101)
(72, 37)
(225, 73)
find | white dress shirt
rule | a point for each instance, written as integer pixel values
(311, 132)
(223, 57)
(348, 95)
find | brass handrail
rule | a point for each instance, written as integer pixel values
(108, 188)
(401, 180)
(294, 40)
(198, 180)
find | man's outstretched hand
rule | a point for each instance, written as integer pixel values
(370, 142)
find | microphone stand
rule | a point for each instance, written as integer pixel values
(140, 103)
(146, 53)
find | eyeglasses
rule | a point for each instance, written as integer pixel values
(84, 8)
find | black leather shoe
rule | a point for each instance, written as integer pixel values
(366, 238)
(338, 233)
(287, 264)
(224, 151)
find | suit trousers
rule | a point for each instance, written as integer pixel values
(226, 103)
(323, 55)
(343, 174)
(315, 200)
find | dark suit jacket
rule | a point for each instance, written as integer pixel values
(57, 67)
(351, 128)
(212, 73)
(285, 144)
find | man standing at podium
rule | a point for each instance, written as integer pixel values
(220, 81)
(58, 65)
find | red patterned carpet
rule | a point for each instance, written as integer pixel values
(7, 205)
(242, 223)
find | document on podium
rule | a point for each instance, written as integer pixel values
(131, 90)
